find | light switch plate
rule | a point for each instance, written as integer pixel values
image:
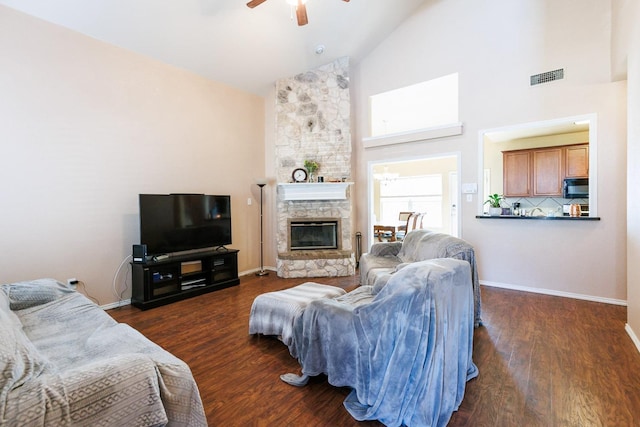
(469, 188)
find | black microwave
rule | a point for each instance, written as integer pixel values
(575, 188)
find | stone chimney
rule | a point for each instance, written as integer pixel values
(313, 123)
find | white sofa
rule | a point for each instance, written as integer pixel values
(64, 361)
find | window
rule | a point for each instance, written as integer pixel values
(415, 193)
(424, 105)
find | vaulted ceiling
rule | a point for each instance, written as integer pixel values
(226, 41)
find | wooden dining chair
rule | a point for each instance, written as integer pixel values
(415, 221)
(402, 229)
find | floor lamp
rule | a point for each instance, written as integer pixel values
(261, 183)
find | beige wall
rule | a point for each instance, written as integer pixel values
(85, 127)
(495, 46)
(627, 48)
(633, 225)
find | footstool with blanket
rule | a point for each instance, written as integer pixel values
(274, 313)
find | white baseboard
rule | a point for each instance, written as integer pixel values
(633, 336)
(116, 304)
(255, 270)
(554, 293)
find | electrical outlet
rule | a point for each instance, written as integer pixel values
(72, 282)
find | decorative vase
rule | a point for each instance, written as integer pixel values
(311, 177)
(495, 211)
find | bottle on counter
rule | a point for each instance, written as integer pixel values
(516, 209)
(575, 210)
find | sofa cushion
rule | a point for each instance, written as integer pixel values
(372, 267)
(34, 292)
(386, 249)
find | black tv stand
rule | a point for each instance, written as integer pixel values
(177, 277)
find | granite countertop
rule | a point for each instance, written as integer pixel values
(545, 217)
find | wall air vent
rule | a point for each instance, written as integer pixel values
(547, 77)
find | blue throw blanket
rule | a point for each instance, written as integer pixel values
(406, 353)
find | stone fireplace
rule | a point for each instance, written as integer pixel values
(313, 123)
(323, 247)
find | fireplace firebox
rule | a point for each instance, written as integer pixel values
(313, 234)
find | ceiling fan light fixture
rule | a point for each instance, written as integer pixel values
(295, 2)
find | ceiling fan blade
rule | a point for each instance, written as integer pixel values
(254, 3)
(346, 1)
(301, 13)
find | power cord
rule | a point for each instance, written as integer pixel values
(84, 287)
(126, 285)
(115, 278)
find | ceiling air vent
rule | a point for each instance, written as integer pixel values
(547, 77)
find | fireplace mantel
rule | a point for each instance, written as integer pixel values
(315, 191)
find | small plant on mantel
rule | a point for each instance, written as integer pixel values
(311, 166)
(495, 203)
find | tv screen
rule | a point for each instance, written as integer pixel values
(181, 222)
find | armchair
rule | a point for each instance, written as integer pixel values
(405, 351)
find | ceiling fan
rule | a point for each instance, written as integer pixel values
(301, 9)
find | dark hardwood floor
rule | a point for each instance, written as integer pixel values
(543, 361)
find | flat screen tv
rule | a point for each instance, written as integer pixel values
(181, 222)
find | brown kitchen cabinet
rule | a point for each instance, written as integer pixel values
(540, 172)
(548, 172)
(577, 161)
(516, 173)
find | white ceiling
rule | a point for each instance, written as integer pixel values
(226, 41)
